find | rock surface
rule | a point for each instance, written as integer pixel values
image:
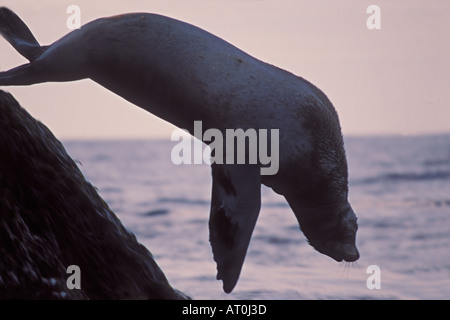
(51, 218)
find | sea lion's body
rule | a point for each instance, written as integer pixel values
(183, 74)
(178, 72)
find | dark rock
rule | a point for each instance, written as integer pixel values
(51, 218)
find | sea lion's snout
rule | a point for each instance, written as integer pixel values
(344, 252)
(331, 231)
(344, 248)
(350, 253)
(338, 251)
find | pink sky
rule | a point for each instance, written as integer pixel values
(393, 80)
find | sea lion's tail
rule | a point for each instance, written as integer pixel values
(16, 32)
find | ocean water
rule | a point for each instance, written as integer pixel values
(399, 189)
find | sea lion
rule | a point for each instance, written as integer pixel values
(181, 74)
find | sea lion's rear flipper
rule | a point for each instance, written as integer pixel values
(15, 31)
(235, 205)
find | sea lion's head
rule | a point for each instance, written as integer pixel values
(313, 177)
(331, 230)
(330, 227)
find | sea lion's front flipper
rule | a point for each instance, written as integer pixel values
(235, 205)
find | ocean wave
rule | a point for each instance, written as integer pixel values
(101, 158)
(275, 205)
(156, 212)
(418, 201)
(111, 190)
(404, 177)
(184, 201)
(436, 162)
(442, 203)
(276, 240)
